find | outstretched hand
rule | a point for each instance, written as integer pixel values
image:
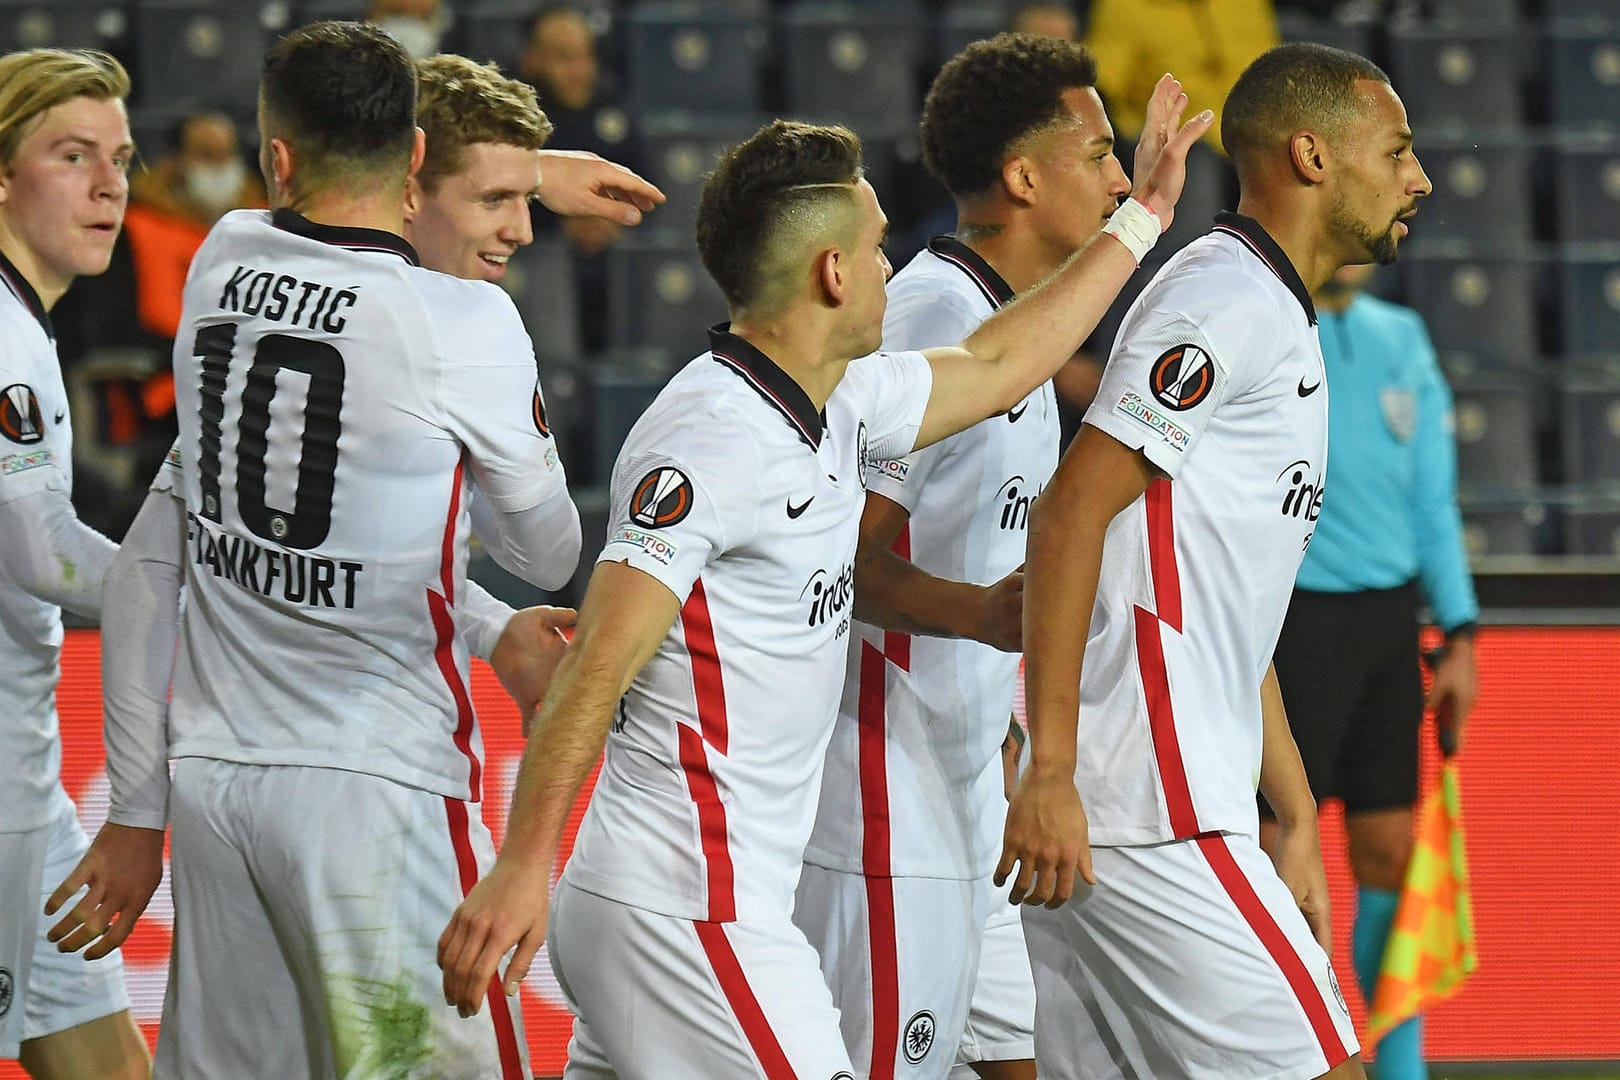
(1161, 152)
(121, 870)
(577, 183)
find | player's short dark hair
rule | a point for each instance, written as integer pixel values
(988, 97)
(783, 167)
(344, 94)
(1290, 87)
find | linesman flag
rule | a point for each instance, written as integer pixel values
(1431, 946)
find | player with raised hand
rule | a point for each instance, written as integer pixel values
(712, 638)
(924, 960)
(1161, 560)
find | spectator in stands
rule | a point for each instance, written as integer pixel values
(561, 63)
(203, 175)
(415, 24)
(1048, 19)
(1207, 43)
(1389, 537)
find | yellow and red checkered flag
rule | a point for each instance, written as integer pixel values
(1431, 945)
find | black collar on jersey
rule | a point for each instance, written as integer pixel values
(344, 236)
(769, 381)
(1255, 237)
(971, 263)
(25, 293)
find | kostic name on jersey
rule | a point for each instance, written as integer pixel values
(1303, 497)
(829, 596)
(297, 579)
(269, 295)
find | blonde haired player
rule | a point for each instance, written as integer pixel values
(65, 150)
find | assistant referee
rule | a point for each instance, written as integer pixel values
(1388, 541)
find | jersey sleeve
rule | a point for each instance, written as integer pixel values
(896, 388)
(28, 464)
(680, 499)
(491, 393)
(1172, 367)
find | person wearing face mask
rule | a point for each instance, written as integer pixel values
(416, 24)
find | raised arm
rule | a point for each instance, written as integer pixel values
(1046, 836)
(624, 616)
(577, 183)
(1029, 340)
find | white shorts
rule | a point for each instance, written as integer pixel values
(308, 904)
(656, 997)
(43, 991)
(1001, 1016)
(900, 955)
(1185, 959)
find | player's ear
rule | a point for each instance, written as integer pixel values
(831, 271)
(413, 198)
(281, 164)
(1307, 153)
(1018, 179)
(418, 151)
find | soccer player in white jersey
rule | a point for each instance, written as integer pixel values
(896, 893)
(466, 212)
(65, 150)
(712, 636)
(1174, 527)
(341, 402)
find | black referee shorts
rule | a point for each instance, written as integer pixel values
(1348, 667)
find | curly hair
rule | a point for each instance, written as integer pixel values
(460, 102)
(991, 95)
(778, 181)
(1290, 87)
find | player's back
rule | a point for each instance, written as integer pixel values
(335, 402)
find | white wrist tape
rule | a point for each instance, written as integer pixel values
(1136, 226)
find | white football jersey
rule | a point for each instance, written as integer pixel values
(1217, 377)
(914, 782)
(733, 491)
(36, 454)
(336, 401)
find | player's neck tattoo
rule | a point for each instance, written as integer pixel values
(972, 233)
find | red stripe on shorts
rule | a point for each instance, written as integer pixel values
(499, 1010)
(1162, 726)
(1161, 529)
(875, 862)
(1283, 954)
(744, 1005)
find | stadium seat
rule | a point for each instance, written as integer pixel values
(853, 62)
(659, 294)
(540, 279)
(1495, 429)
(1583, 76)
(308, 11)
(199, 52)
(1480, 304)
(32, 24)
(1586, 171)
(1511, 529)
(1593, 530)
(1590, 13)
(1462, 77)
(964, 23)
(1481, 190)
(1472, 12)
(1589, 422)
(1589, 296)
(680, 149)
(619, 395)
(1302, 26)
(492, 30)
(693, 56)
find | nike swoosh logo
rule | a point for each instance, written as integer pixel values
(795, 511)
(1014, 415)
(1307, 391)
(60, 415)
